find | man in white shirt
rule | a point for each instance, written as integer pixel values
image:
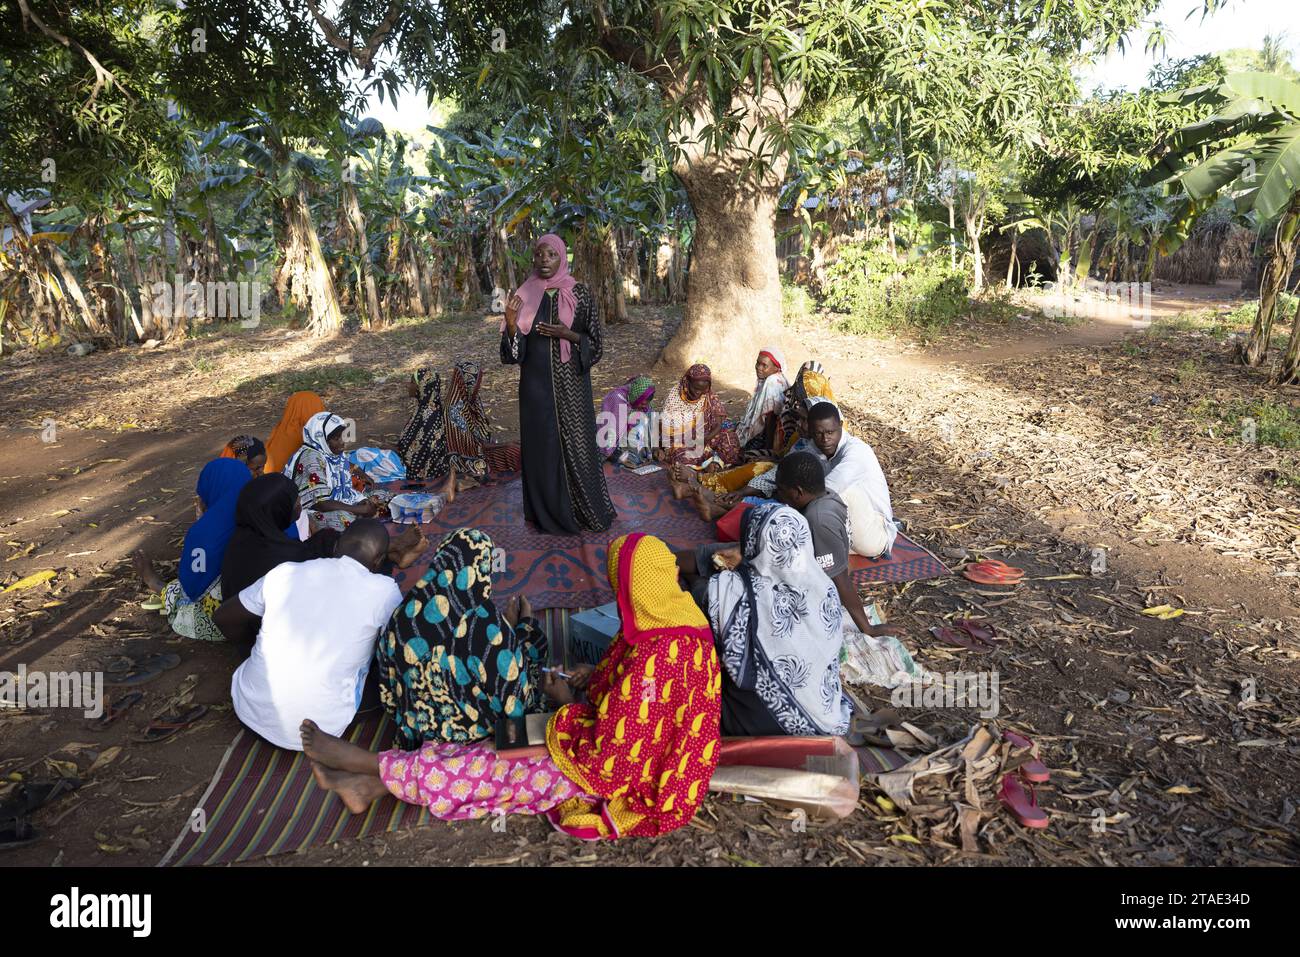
(853, 472)
(319, 623)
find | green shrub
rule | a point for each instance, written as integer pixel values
(795, 301)
(1276, 423)
(1244, 314)
(878, 294)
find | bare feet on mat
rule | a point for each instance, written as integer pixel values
(448, 489)
(144, 568)
(408, 558)
(334, 752)
(402, 542)
(358, 791)
(682, 479)
(525, 608)
(705, 504)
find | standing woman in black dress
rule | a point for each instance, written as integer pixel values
(552, 332)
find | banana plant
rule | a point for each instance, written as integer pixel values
(1250, 149)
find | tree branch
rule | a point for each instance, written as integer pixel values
(629, 54)
(103, 76)
(363, 55)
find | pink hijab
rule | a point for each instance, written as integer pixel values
(535, 287)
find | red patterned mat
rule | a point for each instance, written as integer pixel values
(568, 571)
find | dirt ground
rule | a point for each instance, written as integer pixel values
(1030, 440)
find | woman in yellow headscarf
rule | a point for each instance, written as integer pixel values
(644, 748)
(286, 437)
(634, 759)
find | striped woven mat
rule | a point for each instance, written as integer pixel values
(264, 801)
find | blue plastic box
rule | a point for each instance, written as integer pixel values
(591, 632)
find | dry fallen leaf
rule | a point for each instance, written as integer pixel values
(104, 760)
(31, 580)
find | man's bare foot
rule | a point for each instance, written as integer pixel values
(683, 480)
(525, 607)
(336, 753)
(448, 490)
(408, 558)
(144, 568)
(358, 791)
(709, 510)
(408, 537)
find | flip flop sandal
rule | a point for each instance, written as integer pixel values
(1032, 770)
(984, 574)
(115, 710)
(136, 676)
(17, 832)
(992, 566)
(955, 636)
(1024, 805)
(981, 631)
(160, 729)
(142, 670)
(33, 795)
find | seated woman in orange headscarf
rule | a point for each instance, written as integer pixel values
(634, 759)
(286, 437)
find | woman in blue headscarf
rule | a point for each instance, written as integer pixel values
(188, 602)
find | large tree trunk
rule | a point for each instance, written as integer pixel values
(304, 274)
(1277, 268)
(145, 327)
(358, 223)
(733, 300)
(73, 289)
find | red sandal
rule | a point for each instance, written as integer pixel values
(1023, 804)
(1032, 770)
(993, 572)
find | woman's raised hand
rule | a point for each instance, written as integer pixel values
(512, 313)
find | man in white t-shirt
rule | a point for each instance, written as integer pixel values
(854, 473)
(319, 624)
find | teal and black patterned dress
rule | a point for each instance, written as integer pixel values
(449, 664)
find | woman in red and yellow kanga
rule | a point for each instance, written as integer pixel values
(646, 743)
(634, 759)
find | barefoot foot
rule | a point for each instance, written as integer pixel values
(333, 752)
(408, 558)
(358, 791)
(144, 568)
(402, 542)
(707, 508)
(448, 489)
